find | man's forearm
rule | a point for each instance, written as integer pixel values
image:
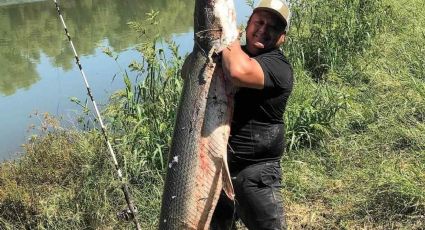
(242, 70)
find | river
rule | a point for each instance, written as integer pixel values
(37, 70)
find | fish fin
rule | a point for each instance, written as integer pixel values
(227, 180)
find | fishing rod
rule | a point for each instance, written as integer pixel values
(131, 213)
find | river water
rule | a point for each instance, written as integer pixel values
(37, 70)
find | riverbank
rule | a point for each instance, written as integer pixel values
(355, 131)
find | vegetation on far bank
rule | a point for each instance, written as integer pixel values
(355, 129)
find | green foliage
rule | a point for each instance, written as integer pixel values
(139, 118)
(311, 113)
(367, 171)
(48, 180)
(250, 3)
(324, 42)
(329, 34)
(66, 181)
(143, 113)
(395, 198)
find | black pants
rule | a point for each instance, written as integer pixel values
(258, 201)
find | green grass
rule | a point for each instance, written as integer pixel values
(355, 131)
(369, 173)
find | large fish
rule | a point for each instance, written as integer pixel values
(197, 166)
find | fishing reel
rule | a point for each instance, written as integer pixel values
(126, 214)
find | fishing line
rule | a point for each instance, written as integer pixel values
(131, 213)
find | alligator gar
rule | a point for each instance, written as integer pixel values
(197, 165)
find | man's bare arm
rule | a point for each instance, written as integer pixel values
(242, 70)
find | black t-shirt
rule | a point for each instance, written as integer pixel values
(257, 130)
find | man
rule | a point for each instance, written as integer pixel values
(256, 142)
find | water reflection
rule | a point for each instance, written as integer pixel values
(17, 71)
(32, 29)
(37, 70)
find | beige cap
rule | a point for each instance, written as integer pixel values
(279, 7)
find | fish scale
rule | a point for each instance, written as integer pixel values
(197, 160)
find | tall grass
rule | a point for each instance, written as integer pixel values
(43, 189)
(140, 117)
(366, 172)
(143, 113)
(325, 40)
(310, 117)
(146, 109)
(328, 35)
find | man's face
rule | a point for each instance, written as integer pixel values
(264, 32)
